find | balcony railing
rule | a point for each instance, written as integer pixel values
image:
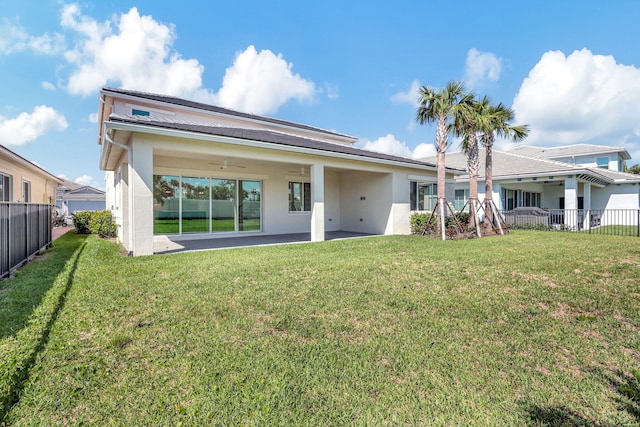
(619, 222)
(25, 230)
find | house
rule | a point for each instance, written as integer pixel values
(189, 170)
(72, 197)
(24, 181)
(573, 177)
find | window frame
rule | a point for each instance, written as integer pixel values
(305, 197)
(26, 191)
(6, 180)
(602, 162)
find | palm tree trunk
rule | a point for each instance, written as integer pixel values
(441, 148)
(488, 188)
(473, 166)
(441, 192)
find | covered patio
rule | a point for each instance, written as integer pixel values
(175, 244)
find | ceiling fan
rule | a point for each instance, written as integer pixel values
(225, 165)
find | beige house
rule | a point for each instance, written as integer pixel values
(178, 169)
(23, 181)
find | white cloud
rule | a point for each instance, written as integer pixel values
(84, 180)
(481, 66)
(14, 38)
(410, 97)
(136, 52)
(262, 82)
(48, 86)
(62, 176)
(581, 98)
(93, 118)
(137, 55)
(27, 127)
(389, 145)
(424, 150)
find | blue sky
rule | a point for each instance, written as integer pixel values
(570, 69)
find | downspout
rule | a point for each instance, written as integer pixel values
(106, 137)
(104, 102)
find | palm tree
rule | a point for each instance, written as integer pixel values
(442, 108)
(467, 127)
(498, 124)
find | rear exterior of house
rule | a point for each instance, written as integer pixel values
(190, 171)
(23, 181)
(579, 179)
(27, 194)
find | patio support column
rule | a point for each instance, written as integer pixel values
(571, 202)
(141, 199)
(587, 206)
(496, 196)
(317, 202)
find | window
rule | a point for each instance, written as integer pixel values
(423, 196)
(460, 199)
(26, 191)
(6, 185)
(531, 199)
(136, 112)
(603, 162)
(299, 197)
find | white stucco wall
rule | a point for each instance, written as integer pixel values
(365, 199)
(384, 189)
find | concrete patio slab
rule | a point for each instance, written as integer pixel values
(173, 244)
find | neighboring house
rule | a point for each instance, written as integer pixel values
(581, 176)
(23, 181)
(72, 197)
(191, 170)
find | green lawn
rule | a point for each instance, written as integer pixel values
(533, 328)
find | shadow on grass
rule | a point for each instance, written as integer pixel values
(627, 387)
(21, 294)
(23, 363)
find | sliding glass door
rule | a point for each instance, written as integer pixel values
(166, 205)
(195, 205)
(249, 207)
(205, 205)
(223, 196)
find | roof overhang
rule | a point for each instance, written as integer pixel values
(116, 135)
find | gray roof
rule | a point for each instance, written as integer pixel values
(174, 101)
(569, 151)
(263, 135)
(507, 165)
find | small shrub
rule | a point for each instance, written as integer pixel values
(81, 221)
(422, 223)
(94, 222)
(102, 224)
(462, 217)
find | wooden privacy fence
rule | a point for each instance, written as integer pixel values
(25, 230)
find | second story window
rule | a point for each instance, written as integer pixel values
(603, 162)
(137, 112)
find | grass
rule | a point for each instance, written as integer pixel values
(532, 328)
